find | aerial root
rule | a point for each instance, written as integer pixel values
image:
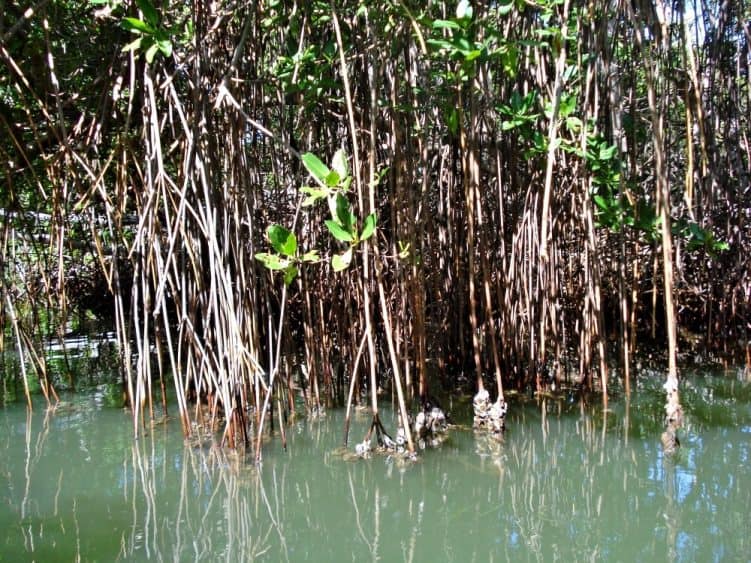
(429, 425)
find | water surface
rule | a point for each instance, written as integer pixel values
(569, 482)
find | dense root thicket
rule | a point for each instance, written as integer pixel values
(520, 195)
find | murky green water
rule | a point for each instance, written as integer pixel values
(569, 483)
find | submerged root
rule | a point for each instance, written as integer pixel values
(490, 446)
(670, 442)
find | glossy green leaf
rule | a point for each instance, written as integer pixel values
(369, 227)
(338, 232)
(342, 261)
(282, 240)
(316, 168)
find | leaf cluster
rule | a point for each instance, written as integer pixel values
(332, 185)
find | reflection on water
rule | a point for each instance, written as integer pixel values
(568, 482)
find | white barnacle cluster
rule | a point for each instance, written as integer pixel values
(429, 427)
(388, 442)
(497, 418)
(490, 416)
(401, 439)
(399, 444)
(481, 407)
(363, 449)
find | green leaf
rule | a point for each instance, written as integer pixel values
(606, 153)
(290, 273)
(137, 26)
(369, 227)
(332, 179)
(316, 168)
(343, 215)
(440, 44)
(272, 261)
(338, 232)
(340, 164)
(446, 24)
(311, 256)
(342, 261)
(314, 194)
(133, 45)
(574, 124)
(508, 125)
(165, 46)
(151, 52)
(149, 12)
(472, 55)
(282, 240)
(567, 105)
(601, 202)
